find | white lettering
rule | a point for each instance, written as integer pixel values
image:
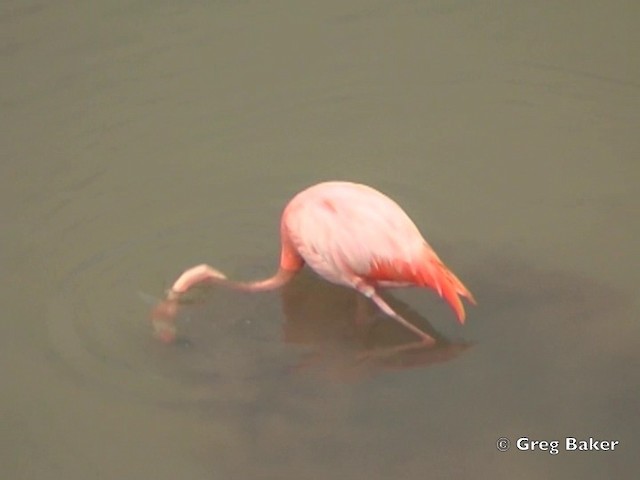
(525, 444)
(590, 445)
(571, 444)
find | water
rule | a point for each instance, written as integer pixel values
(142, 138)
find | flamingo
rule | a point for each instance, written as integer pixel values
(352, 235)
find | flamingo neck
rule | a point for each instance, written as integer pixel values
(281, 277)
(206, 274)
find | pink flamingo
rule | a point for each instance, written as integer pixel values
(349, 234)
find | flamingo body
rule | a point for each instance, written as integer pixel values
(344, 230)
(352, 235)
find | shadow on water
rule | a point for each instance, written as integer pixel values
(340, 335)
(237, 347)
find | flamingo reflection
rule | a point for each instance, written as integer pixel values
(343, 336)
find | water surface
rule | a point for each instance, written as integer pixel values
(141, 138)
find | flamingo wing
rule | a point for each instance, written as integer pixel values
(350, 233)
(344, 230)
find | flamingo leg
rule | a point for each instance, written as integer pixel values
(370, 292)
(363, 316)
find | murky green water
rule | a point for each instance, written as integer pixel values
(140, 138)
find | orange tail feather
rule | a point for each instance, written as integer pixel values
(433, 273)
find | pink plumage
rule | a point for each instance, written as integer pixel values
(349, 233)
(353, 235)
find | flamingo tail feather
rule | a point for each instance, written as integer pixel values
(433, 273)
